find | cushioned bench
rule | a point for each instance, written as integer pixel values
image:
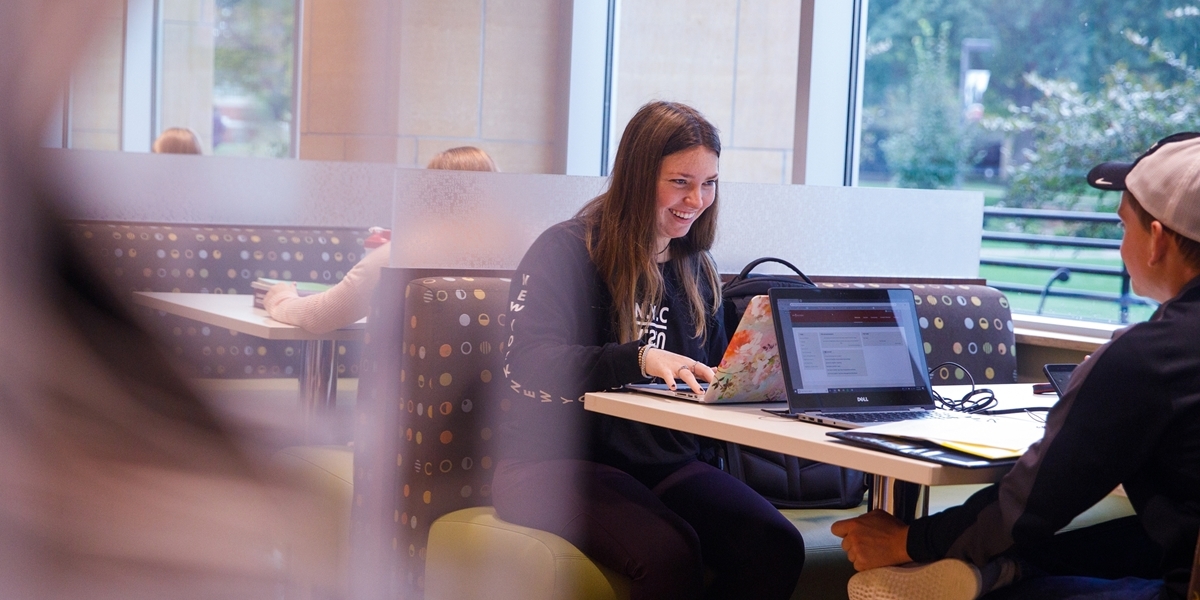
(220, 259)
(319, 565)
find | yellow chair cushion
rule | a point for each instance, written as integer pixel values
(474, 554)
(319, 561)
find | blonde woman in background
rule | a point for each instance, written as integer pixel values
(178, 140)
(463, 158)
(350, 299)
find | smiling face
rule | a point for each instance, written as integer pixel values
(687, 186)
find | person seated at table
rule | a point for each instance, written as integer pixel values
(1130, 415)
(350, 299)
(177, 140)
(624, 292)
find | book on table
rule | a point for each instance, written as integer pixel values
(303, 288)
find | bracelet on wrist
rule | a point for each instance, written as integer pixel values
(642, 360)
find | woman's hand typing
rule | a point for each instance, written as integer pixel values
(669, 366)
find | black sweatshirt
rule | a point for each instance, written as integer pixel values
(563, 345)
(1131, 416)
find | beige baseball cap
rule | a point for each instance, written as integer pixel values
(1165, 180)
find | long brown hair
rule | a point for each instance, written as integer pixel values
(622, 226)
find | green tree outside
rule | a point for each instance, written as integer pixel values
(926, 148)
(1072, 83)
(253, 72)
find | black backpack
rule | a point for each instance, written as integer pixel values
(736, 294)
(786, 481)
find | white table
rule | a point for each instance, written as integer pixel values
(747, 424)
(318, 371)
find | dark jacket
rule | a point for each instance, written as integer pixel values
(563, 345)
(1130, 416)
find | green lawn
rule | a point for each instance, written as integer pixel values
(992, 193)
(1075, 308)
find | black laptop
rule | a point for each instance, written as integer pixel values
(852, 357)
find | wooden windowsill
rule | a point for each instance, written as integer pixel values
(1067, 334)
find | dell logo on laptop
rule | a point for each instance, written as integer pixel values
(863, 399)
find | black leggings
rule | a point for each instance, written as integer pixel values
(661, 538)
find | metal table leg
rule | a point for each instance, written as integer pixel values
(318, 383)
(898, 497)
(881, 493)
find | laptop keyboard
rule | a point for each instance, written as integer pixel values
(887, 417)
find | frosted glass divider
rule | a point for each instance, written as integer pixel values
(188, 189)
(467, 220)
(851, 231)
(479, 220)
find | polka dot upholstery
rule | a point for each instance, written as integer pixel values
(967, 324)
(450, 345)
(220, 259)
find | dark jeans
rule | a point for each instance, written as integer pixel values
(661, 538)
(1108, 561)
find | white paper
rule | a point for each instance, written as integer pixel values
(993, 432)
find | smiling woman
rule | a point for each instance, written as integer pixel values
(687, 186)
(623, 292)
(665, 146)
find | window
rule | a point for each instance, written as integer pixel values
(227, 69)
(252, 82)
(735, 62)
(93, 115)
(1019, 101)
(185, 86)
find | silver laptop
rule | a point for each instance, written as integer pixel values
(852, 357)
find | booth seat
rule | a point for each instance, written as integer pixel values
(474, 554)
(967, 324)
(421, 520)
(319, 566)
(220, 259)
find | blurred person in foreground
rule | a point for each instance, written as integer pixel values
(177, 140)
(624, 292)
(1130, 416)
(350, 299)
(117, 481)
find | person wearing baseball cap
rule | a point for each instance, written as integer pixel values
(1161, 192)
(1130, 416)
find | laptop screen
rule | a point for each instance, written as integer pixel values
(855, 349)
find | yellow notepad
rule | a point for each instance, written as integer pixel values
(988, 437)
(983, 451)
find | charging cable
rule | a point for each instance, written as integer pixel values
(978, 400)
(981, 401)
